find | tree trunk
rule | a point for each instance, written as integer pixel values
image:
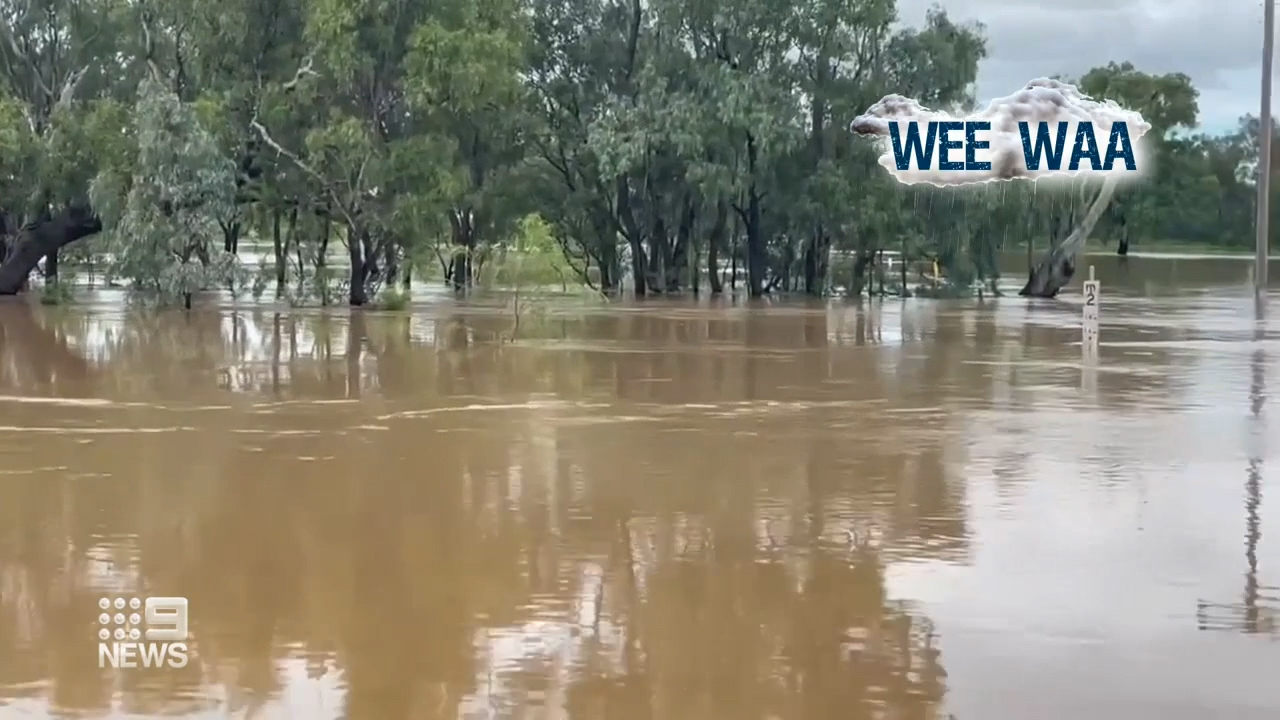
(816, 252)
(1122, 248)
(755, 245)
(322, 257)
(678, 268)
(371, 268)
(879, 268)
(634, 237)
(1055, 269)
(659, 255)
(714, 242)
(817, 249)
(694, 270)
(355, 249)
(38, 240)
(606, 252)
(278, 249)
(51, 268)
(297, 249)
(735, 251)
(231, 236)
(902, 267)
(391, 262)
(462, 225)
(782, 273)
(859, 280)
(755, 233)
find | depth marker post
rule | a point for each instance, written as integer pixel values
(1089, 326)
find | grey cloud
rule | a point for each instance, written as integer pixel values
(1218, 44)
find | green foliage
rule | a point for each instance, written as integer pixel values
(550, 144)
(58, 293)
(464, 60)
(320, 286)
(530, 262)
(19, 148)
(84, 141)
(163, 240)
(392, 298)
(531, 258)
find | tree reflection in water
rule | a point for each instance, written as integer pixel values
(631, 536)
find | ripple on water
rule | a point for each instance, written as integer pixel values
(685, 504)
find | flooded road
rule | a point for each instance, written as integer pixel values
(899, 510)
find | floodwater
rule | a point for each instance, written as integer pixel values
(900, 510)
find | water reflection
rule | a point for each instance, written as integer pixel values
(657, 511)
(1253, 488)
(456, 527)
(1254, 614)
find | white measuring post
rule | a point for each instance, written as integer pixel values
(1089, 326)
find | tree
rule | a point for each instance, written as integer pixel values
(671, 146)
(51, 53)
(1167, 102)
(165, 238)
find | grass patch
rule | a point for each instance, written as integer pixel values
(58, 293)
(391, 298)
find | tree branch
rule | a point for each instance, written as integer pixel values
(70, 86)
(12, 42)
(38, 239)
(303, 166)
(149, 47)
(303, 72)
(1055, 269)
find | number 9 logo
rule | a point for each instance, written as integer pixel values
(166, 619)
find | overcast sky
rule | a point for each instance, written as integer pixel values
(1217, 42)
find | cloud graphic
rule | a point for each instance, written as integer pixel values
(1042, 100)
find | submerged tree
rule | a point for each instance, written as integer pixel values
(165, 238)
(672, 146)
(1168, 102)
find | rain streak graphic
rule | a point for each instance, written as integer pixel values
(125, 626)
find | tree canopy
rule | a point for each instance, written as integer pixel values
(660, 144)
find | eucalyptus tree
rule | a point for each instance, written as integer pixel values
(670, 141)
(60, 73)
(936, 63)
(1168, 102)
(164, 230)
(841, 46)
(352, 82)
(581, 54)
(718, 124)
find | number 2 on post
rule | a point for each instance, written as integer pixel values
(1090, 296)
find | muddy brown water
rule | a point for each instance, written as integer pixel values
(653, 510)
